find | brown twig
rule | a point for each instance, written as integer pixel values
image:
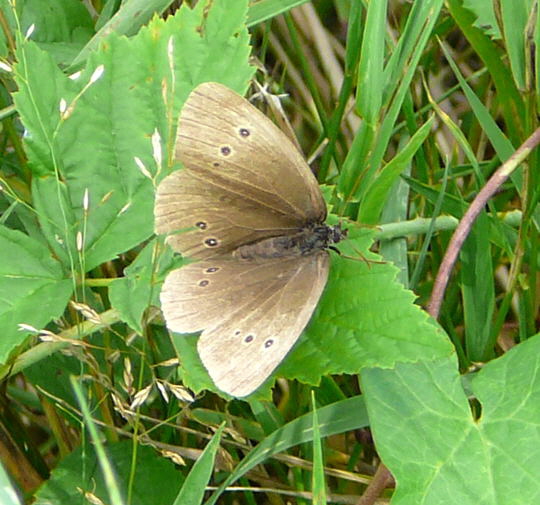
(381, 480)
(466, 223)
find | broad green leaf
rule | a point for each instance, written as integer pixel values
(41, 85)
(438, 452)
(364, 318)
(79, 473)
(131, 91)
(132, 294)
(485, 16)
(61, 29)
(34, 290)
(57, 219)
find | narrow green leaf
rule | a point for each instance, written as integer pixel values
(377, 194)
(500, 142)
(398, 74)
(192, 492)
(318, 481)
(510, 98)
(370, 85)
(267, 9)
(515, 21)
(339, 417)
(107, 469)
(477, 286)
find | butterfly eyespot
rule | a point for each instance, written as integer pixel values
(244, 132)
(204, 283)
(249, 339)
(201, 224)
(211, 270)
(268, 343)
(211, 242)
(237, 332)
(225, 150)
(216, 164)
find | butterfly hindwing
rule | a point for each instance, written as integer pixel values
(252, 313)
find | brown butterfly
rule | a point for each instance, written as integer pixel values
(248, 206)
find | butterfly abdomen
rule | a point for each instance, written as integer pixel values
(308, 240)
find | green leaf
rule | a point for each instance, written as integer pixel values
(501, 143)
(515, 18)
(34, 290)
(60, 21)
(41, 85)
(509, 97)
(109, 119)
(370, 84)
(371, 142)
(57, 220)
(318, 481)
(192, 491)
(267, 9)
(61, 27)
(486, 19)
(213, 45)
(127, 20)
(477, 285)
(79, 473)
(377, 194)
(437, 451)
(140, 287)
(339, 417)
(364, 318)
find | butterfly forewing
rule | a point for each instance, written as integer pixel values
(194, 211)
(222, 137)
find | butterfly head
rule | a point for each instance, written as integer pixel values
(321, 236)
(335, 234)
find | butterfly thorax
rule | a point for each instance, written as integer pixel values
(314, 237)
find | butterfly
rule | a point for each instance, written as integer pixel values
(247, 207)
